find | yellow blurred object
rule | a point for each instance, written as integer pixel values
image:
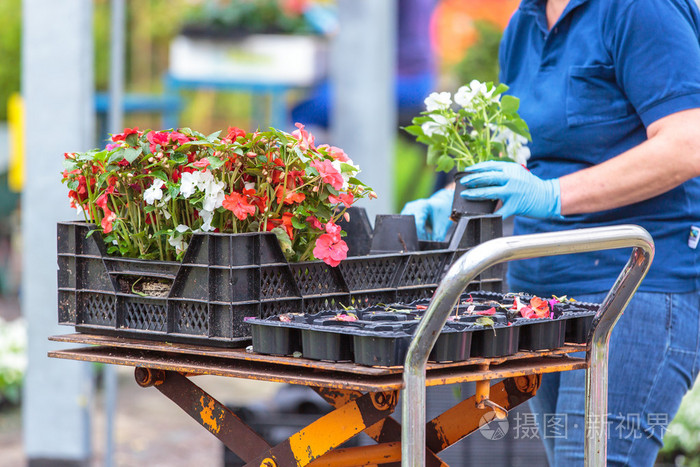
(15, 120)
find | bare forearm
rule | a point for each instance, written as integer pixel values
(668, 158)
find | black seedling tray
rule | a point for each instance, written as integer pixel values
(482, 325)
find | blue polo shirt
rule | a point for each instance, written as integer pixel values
(589, 87)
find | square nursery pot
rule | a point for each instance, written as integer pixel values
(226, 279)
(469, 207)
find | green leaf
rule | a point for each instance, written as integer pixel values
(323, 212)
(215, 162)
(178, 157)
(445, 163)
(284, 241)
(414, 130)
(132, 139)
(174, 190)
(160, 175)
(510, 104)
(354, 181)
(214, 136)
(298, 223)
(130, 154)
(433, 154)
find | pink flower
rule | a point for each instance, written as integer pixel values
(331, 250)
(336, 153)
(178, 137)
(328, 173)
(233, 133)
(202, 163)
(306, 139)
(345, 198)
(333, 230)
(111, 146)
(314, 222)
(157, 138)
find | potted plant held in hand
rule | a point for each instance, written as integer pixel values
(479, 123)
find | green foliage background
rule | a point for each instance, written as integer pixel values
(10, 37)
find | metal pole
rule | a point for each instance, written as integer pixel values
(115, 118)
(505, 249)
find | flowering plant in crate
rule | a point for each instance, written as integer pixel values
(485, 125)
(149, 191)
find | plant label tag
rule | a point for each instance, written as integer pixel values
(694, 237)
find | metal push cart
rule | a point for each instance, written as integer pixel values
(364, 397)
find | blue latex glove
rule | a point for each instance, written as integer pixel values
(522, 193)
(435, 210)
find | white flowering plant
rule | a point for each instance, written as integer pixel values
(149, 191)
(13, 359)
(483, 125)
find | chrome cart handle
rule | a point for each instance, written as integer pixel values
(504, 249)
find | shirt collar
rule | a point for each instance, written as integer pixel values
(537, 7)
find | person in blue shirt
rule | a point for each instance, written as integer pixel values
(611, 92)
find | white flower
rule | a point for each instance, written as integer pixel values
(207, 217)
(154, 192)
(176, 240)
(515, 144)
(346, 170)
(438, 101)
(438, 125)
(249, 185)
(188, 183)
(213, 194)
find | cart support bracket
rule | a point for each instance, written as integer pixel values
(218, 419)
(329, 431)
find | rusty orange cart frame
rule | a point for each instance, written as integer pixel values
(365, 397)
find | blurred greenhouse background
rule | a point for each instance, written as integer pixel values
(464, 38)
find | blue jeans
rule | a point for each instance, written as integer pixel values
(652, 363)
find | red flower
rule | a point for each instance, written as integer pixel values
(490, 312)
(127, 132)
(328, 173)
(331, 250)
(306, 139)
(290, 197)
(233, 133)
(101, 201)
(107, 221)
(285, 223)
(157, 138)
(238, 205)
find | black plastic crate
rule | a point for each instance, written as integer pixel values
(225, 279)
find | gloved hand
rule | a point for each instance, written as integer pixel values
(436, 210)
(522, 193)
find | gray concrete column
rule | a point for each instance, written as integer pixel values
(57, 87)
(363, 119)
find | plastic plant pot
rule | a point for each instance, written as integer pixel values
(383, 344)
(394, 232)
(541, 334)
(452, 345)
(578, 325)
(275, 338)
(465, 207)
